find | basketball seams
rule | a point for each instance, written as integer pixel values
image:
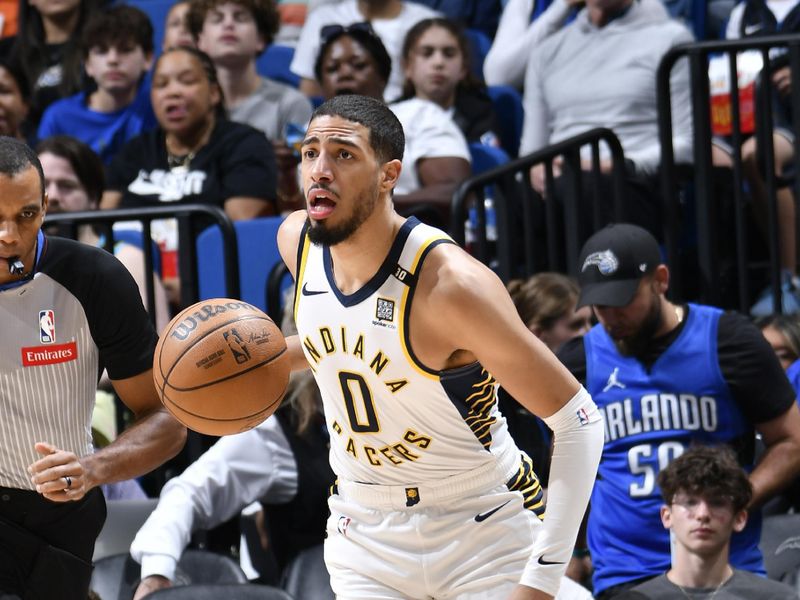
(191, 346)
(223, 420)
(227, 377)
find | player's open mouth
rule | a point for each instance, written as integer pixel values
(320, 203)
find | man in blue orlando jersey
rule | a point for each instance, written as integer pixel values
(666, 376)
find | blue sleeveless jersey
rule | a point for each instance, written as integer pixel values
(651, 417)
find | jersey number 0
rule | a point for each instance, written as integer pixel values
(361, 421)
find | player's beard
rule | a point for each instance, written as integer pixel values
(319, 232)
(637, 343)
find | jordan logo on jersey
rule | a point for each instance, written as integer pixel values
(47, 327)
(613, 381)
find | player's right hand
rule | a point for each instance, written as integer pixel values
(150, 584)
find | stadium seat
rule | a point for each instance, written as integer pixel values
(479, 44)
(117, 576)
(123, 520)
(780, 544)
(220, 592)
(258, 253)
(510, 115)
(274, 63)
(486, 157)
(307, 576)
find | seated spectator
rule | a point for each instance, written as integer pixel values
(667, 376)
(436, 59)
(117, 48)
(783, 334)
(353, 60)
(13, 100)
(283, 463)
(176, 27)
(757, 18)
(599, 71)
(518, 36)
(73, 176)
(706, 495)
(234, 34)
(196, 155)
(47, 45)
(391, 20)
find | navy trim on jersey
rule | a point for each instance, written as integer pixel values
(298, 263)
(407, 311)
(385, 271)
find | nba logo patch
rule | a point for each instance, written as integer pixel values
(384, 310)
(412, 496)
(342, 525)
(47, 327)
(583, 416)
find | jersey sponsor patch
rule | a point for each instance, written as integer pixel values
(384, 310)
(47, 326)
(37, 356)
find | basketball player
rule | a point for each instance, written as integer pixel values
(667, 376)
(68, 310)
(405, 334)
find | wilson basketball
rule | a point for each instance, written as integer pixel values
(221, 366)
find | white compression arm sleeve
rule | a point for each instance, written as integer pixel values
(578, 443)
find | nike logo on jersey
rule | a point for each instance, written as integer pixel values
(544, 562)
(483, 516)
(307, 292)
(751, 29)
(613, 381)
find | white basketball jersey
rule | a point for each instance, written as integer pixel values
(392, 420)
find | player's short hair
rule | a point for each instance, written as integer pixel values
(117, 26)
(17, 157)
(706, 472)
(88, 167)
(365, 36)
(385, 131)
(264, 12)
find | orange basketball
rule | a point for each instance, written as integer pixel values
(221, 366)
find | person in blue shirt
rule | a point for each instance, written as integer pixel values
(117, 48)
(666, 376)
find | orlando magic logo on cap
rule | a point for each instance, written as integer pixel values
(613, 261)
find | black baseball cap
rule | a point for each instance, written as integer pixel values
(613, 261)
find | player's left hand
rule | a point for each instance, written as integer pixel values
(523, 592)
(58, 476)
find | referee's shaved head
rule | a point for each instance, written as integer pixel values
(17, 157)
